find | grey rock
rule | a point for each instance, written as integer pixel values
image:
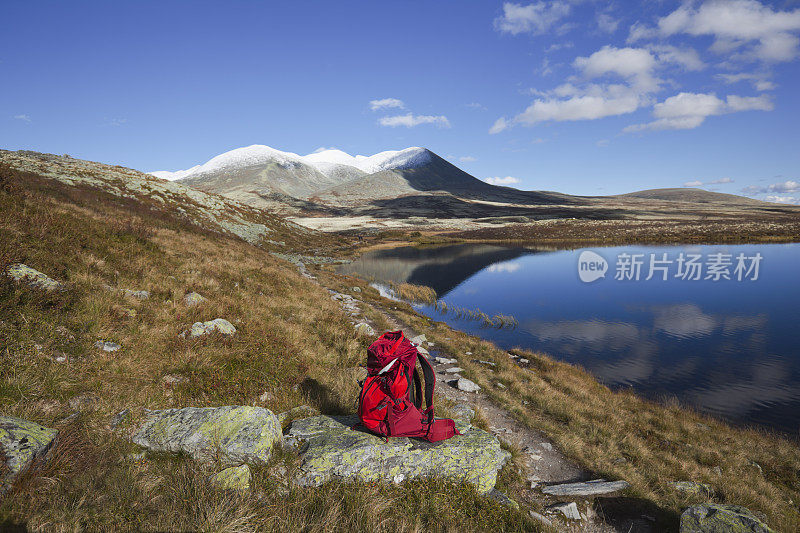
(523, 361)
(487, 363)
(107, 346)
(21, 442)
(454, 370)
(569, 510)
(218, 325)
(34, 278)
(503, 499)
(233, 478)
(541, 518)
(119, 418)
(356, 289)
(419, 339)
(445, 360)
(422, 350)
(193, 298)
(241, 434)
(588, 488)
(717, 518)
(463, 384)
(691, 488)
(463, 411)
(364, 329)
(331, 449)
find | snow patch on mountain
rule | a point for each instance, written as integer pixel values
(328, 162)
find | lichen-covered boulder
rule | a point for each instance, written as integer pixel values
(34, 278)
(233, 478)
(717, 518)
(364, 329)
(330, 448)
(21, 442)
(193, 299)
(238, 434)
(219, 325)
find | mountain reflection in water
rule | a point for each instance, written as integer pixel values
(729, 348)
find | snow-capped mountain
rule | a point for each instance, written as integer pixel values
(331, 163)
(260, 175)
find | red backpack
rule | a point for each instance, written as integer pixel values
(390, 403)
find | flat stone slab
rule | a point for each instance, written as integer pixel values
(588, 488)
(717, 518)
(329, 448)
(242, 434)
(21, 442)
(34, 278)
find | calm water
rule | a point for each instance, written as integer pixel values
(728, 347)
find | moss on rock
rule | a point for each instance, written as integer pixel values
(236, 434)
(716, 518)
(330, 448)
(21, 442)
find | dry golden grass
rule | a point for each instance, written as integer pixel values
(293, 346)
(414, 293)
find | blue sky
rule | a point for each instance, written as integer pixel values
(576, 96)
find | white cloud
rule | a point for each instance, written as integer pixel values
(694, 183)
(410, 120)
(633, 64)
(467, 159)
(538, 140)
(764, 85)
(721, 181)
(508, 180)
(23, 118)
(607, 23)
(499, 125)
(569, 102)
(759, 81)
(687, 58)
(476, 105)
(784, 187)
(765, 34)
(783, 200)
(577, 108)
(386, 103)
(689, 110)
(602, 143)
(535, 18)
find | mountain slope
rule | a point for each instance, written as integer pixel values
(176, 201)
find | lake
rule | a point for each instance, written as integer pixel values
(720, 333)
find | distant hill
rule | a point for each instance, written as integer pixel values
(691, 195)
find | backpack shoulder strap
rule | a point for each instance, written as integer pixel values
(416, 391)
(430, 380)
